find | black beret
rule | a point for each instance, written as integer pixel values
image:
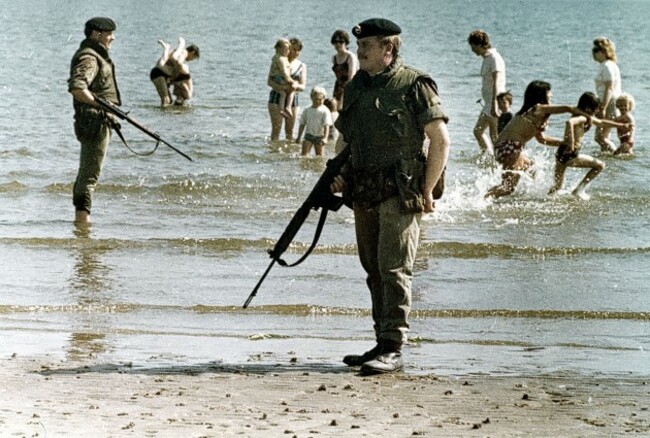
(101, 24)
(376, 27)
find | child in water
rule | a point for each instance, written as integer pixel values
(315, 122)
(332, 104)
(568, 153)
(625, 104)
(504, 102)
(280, 72)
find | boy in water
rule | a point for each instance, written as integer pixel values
(280, 72)
(504, 102)
(568, 153)
(315, 122)
(625, 104)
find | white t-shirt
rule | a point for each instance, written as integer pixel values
(315, 120)
(608, 72)
(492, 63)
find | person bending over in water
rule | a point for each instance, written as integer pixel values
(171, 71)
(530, 121)
(625, 104)
(280, 72)
(568, 154)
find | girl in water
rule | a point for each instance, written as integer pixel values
(625, 104)
(280, 72)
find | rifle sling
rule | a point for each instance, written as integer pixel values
(108, 107)
(319, 229)
(116, 126)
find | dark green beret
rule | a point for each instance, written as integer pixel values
(101, 24)
(376, 27)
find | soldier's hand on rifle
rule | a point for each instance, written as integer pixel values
(338, 185)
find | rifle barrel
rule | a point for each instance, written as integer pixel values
(259, 283)
(178, 151)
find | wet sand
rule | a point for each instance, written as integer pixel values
(46, 397)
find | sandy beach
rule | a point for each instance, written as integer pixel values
(42, 397)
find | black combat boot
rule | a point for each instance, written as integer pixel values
(356, 360)
(388, 361)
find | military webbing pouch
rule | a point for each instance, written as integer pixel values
(370, 187)
(409, 177)
(89, 123)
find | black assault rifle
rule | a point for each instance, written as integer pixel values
(320, 197)
(113, 109)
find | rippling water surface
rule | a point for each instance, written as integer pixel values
(523, 284)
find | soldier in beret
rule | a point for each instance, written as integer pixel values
(388, 111)
(92, 73)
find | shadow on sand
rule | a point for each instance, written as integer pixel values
(196, 369)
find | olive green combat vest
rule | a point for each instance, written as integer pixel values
(104, 84)
(386, 142)
(380, 126)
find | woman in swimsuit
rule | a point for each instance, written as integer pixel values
(529, 122)
(345, 64)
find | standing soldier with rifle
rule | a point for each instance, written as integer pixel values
(92, 73)
(388, 109)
